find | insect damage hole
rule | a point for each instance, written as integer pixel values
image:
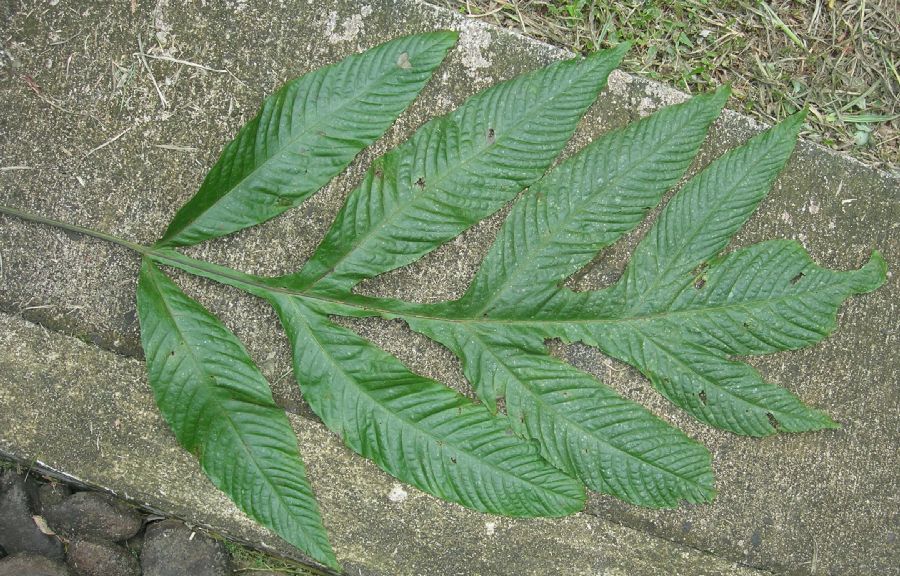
(699, 274)
(772, 420)
(702, 396)
(491, 136)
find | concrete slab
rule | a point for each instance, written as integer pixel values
(89, 136)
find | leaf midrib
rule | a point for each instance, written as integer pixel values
(371, 306)
(576, 424)
(386, 308)
(415, 425)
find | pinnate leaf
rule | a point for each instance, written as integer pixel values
(681, 313)
(220, 408)
(684, 311)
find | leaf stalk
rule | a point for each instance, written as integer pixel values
(30, 217)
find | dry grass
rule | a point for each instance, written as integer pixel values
(249, 562)
(842, 59)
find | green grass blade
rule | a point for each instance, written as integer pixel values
(305, 134)
(584, 428)
(586, 204)
(455, 171)
(220, 408)
(416, 429)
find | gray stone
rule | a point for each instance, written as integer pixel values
(172, 549)
(93, 514)
(32, 565)
(52, 493)
(32, 490)
(135, 543)
(18, 531)
(98, 557)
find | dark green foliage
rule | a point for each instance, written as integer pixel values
(681, 313)
(221, 410)
(306, 134)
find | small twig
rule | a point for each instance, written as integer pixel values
(482, 15)
(110, 141)
(862, 16)
(891, 139)
(40, 307)
(53, 104)
(521, 20)
(186, 63)
(889, 63)
(277, 380)
(814, 19)
(143, 60)
(175, 147)
(10, 168)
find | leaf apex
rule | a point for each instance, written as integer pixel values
(723, 91)
(812, 421)
(832, 424)
(797, 118)
(715, 99)
(330, 560)
(616, 52)
(449, 36)
(621, 48)
(825, 422)
(872, 275)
